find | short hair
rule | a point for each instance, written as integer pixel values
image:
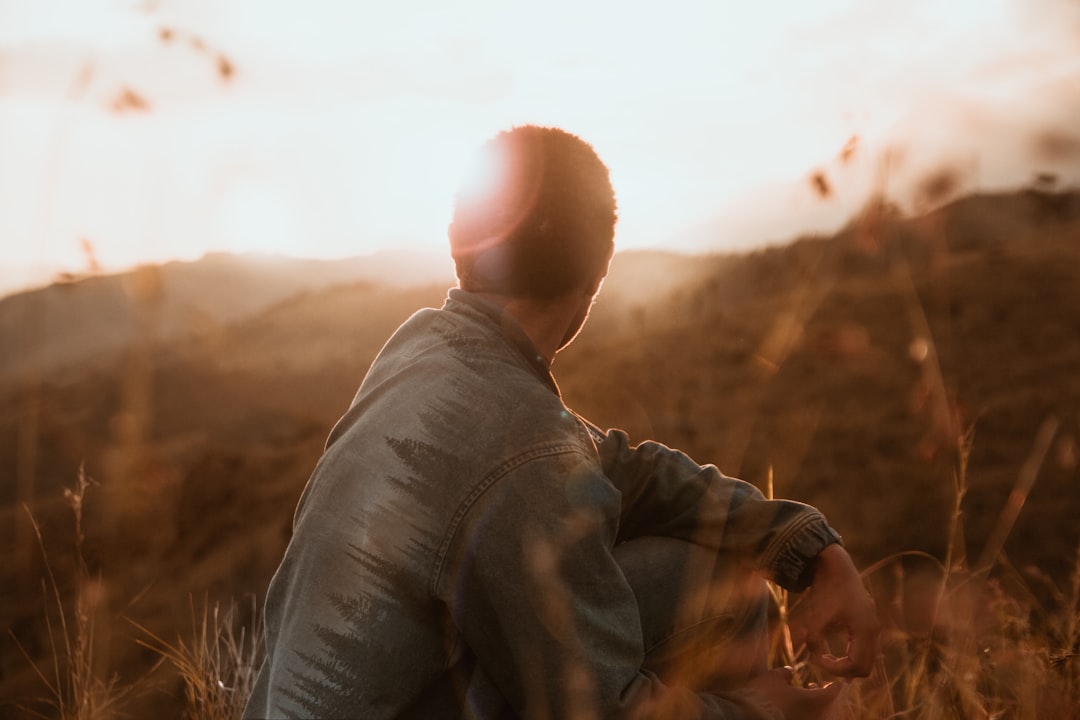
(535, 216)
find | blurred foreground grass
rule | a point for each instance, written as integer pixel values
(960, 642)
(850, 368)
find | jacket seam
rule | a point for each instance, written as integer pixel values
(775, 548)
(478, 490)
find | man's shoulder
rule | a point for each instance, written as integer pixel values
(448, 371)
(455, 347)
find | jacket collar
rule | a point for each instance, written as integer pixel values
(508, 327)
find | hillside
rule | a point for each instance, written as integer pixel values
(852, 366)
(76, 321)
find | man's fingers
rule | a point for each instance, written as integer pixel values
(830, 693)
(816, 646)
(859, 663)
(841, 667)
(862, 648)
(865, 645)
(832, 690)
(816, 701)
(862, 654)
(801, 621)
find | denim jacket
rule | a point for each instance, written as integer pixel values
(451, 553)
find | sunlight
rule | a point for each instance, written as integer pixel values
(254, 217)
(98, 23)
(481, 175)
(324, 31)
(213, 213)
(400, 178)
(360, 122)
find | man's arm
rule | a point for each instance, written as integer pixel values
(533, 590)
(664, 492)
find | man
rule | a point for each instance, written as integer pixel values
(467, 547)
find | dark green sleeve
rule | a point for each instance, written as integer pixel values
(666, 493)
(536, 596)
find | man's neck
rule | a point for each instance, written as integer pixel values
(547, 323)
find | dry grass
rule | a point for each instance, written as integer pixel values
(960, 643)
(964, 638)
(219, 664)
(967, 635)
(76, 688)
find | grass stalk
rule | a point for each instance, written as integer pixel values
(75, 686)
(218, 665)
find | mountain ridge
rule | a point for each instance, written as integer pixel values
(50, 329)
(845, 371)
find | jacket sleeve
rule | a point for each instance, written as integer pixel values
(666, 493)
(535, 595)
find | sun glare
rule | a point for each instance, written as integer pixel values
(359, 123)
(401, 186)
(254, 217)
(96, 23)
(479, 177)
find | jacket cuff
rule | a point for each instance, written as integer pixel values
(793, 566)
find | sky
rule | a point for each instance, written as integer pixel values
(136, 131)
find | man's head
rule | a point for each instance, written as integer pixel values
(535, 217)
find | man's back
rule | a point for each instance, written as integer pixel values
(451, 401)
(467, 547)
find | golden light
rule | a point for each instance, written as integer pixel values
(255, 217)
(360, 122)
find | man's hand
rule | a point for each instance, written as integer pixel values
(812, 703)
(837, 601)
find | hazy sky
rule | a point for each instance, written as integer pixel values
(144, 131)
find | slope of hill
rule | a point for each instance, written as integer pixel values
(71, 323)
(853, 367)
